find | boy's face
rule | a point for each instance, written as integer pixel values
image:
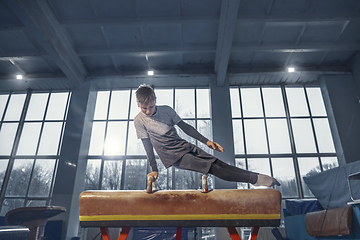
(148, 108)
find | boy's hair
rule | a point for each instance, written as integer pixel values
(145, 94)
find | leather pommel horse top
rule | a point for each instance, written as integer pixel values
(180, 208)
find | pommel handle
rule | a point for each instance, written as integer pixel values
(150, 184)
(204, 184)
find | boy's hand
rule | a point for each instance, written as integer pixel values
(154, 175)
(215, 146)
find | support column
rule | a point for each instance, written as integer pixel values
(222, 134)
(70, 177)
(340, 96)
(356, 74)
(222, 127)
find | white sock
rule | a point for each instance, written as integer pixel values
(264, 180)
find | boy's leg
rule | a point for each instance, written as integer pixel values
(197, 160)
(230, 173)
(227, 172)
(200, 161)
(231, 167)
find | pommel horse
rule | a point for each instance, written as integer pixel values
(180, 208)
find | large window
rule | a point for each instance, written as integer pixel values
(31, 130)
(116, 158)
(282, 131)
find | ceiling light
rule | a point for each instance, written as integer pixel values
(19, 77)
(291, 69)
(150, 73)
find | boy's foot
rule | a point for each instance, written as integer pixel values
(266, 181)
(275, 182)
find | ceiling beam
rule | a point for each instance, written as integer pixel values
(228, 16)
(299, 70)
(146, 50)
(41, 23)
(134, 51)
(273, 18)
(21, 56)
(293, 18)
(307, 47)
(320, 47)
(343, 70)
(299, 18)
(138, 21)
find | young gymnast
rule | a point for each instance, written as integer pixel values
(155, 127)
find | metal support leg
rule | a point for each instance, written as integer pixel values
(254, 233)
(178, 233)
(234, 235)
(105, 233)
(124, 233)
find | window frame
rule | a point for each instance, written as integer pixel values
(170, 172)
(294, 155)
(13, 156)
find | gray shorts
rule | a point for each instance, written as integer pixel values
(196, 160)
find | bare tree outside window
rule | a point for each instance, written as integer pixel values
(112, 175)
(42, 177)
(135, 174)
(3, 166)
(92, 174)
(19, 178)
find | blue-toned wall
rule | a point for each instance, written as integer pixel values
(340, 95)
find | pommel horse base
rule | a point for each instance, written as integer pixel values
(180, 208)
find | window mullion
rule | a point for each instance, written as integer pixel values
(15, 146)
(5, 109)
(243, 131)
(63, 124)
(42, 124)
(21, 123)
(6, 173)
(197, 175)
(53, 180)
(30, 178)
(123, 167)
(172, 168)
(313, 127)
(242, 125)
(106, 123)
(266, 130)
(40, 136)
(292, 142)
(104, 141)
(47, 106)
(101, 173)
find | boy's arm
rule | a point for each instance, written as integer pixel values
(151, 157)
(192, 132)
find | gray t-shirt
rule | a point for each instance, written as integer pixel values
(159, 128)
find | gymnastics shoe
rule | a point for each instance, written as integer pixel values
(266, 181)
